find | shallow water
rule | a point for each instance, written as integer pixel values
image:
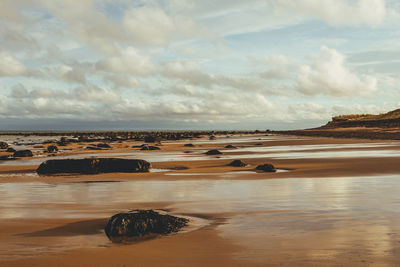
(345, 213)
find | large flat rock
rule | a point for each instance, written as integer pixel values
(93, 166)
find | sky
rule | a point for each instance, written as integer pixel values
(191, 64)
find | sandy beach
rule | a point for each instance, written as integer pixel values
(239, 216)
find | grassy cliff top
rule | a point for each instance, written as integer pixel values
(395, 114)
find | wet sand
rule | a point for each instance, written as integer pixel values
(249, 218)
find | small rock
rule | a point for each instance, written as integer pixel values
(237, 163)
(3, 145)
(189, 145)
(213, 152)
(266, 167)
(230, 146)
(103, 145)
(52, 149)
(94, 148)
(23, 153)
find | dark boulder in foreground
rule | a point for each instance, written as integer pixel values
(3, 145)
(52, 149)
(266, 167)
(140, 223)
(23, 153)
(230, 146)
(93, 166)
(237, 163)
(213, 152)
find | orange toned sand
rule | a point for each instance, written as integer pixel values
(80, 241)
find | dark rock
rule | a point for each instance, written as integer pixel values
(258, 144)
(94, 148)
(187, 152)
(237, 163)
(150, 148)
(141, 223)
(230, 146)
(3, 145)
(38, 146)
(23, 153)
(10, 149)
(266, 167)
(213, 152)
(93, 166)
(151, 139)
(6, 158)
(189, 145)
(52, 149)
(63, 141)
(212, 137)
(103, 145)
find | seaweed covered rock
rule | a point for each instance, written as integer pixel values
(266, 167)
(3, 145)
(23, 153)
(138, 223)
(230, 146)
(93, 166)
(52, 149)
(213, 152)
(237, 163)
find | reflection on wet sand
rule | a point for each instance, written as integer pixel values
(336, 214)
(303, 221)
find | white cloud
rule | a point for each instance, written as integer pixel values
(151, 25)
(276, 67)
(128, 61)
(336, 12)
(328, 75)
(10, 66)
(148, 25)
